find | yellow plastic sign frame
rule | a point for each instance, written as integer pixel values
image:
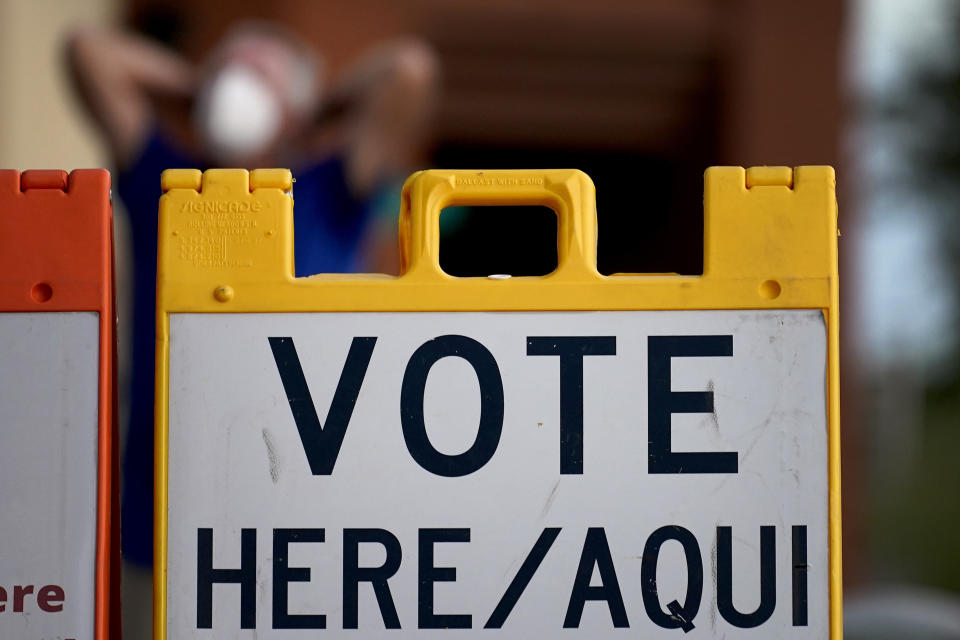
(226, 246)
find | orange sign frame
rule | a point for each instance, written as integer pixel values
(56, 254)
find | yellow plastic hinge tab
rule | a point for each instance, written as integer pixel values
(180, 179)
(769, 177)
(271, 179)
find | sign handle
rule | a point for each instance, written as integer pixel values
(569, 192)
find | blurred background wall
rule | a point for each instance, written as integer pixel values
(40, 122)
(643, 95)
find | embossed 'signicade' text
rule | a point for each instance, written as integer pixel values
(220, 206)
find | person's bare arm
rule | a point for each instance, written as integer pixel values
(116, 75)
(385, 102)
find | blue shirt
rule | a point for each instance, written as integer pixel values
(329, 223)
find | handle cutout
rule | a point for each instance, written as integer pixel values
(482, 240)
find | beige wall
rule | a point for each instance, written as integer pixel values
(41, 125)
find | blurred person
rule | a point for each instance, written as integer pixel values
(258, 100)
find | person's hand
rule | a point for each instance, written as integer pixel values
(118, 75)
(382, 105)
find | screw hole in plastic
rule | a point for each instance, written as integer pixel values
(41, 292)
(770, 289)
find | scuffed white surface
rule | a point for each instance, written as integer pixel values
(236, 461)
(49, 370)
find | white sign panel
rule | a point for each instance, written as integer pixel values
(517, 475)
(49, 371)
